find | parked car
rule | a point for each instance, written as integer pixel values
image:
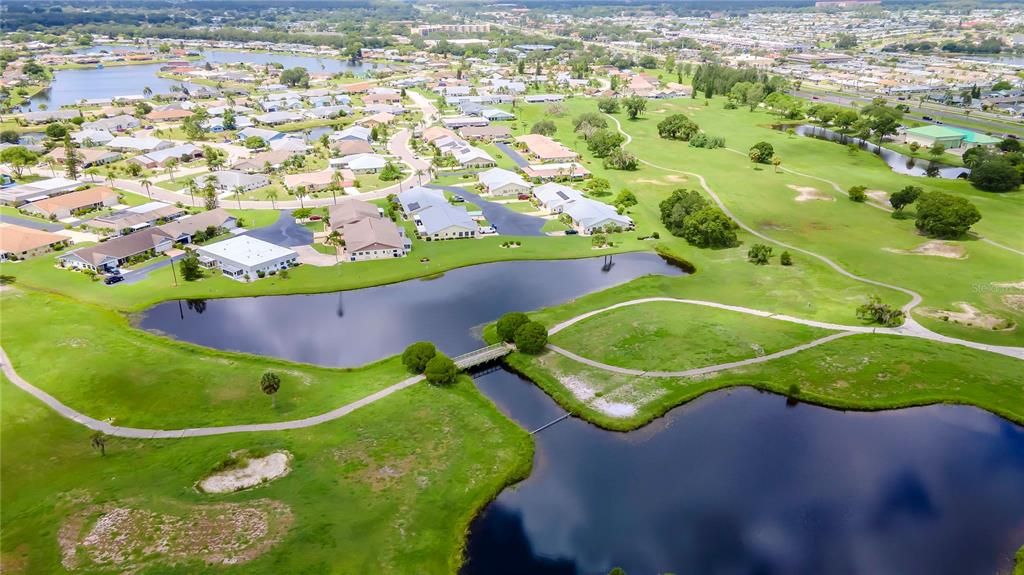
(458, 199)
(488, 230)
(523, 196)
(113, 279)
(926, 118)
(571, 232)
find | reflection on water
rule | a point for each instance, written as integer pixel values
(737, 482)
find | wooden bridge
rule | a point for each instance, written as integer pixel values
(483, 355)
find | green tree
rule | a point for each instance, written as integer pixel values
(544, 128)
(608, 105)
(509, 323)
(858, 193)
(937, 149)
(441, 370)
(946, 216)
(635, 106)
(677, 127)
(255, 143)
(709, 228)
(98, 441)
(9, 137)
(270, 383)
(603, 142)
(56, 131)
(678, 206)
(759, 254)
(531, 337)
(72, 160)
(625, 200)
(904, 197)
(761, 153)
(619, 159)
(229, 122)
(994, 174)
(19, 158)
(295, 77)
(416, 356)
(189, 266)
(874, 311)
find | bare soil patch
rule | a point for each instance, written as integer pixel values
(247, 472)
(651, 182)
(675, 178)
(1015, 301)
(1011, 285)
(934, 248)
(808, 193)
(880, 196)
(970, 316)
(126, 538)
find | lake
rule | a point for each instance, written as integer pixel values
(899, 163)
(737, 482)
(356, 327)
(71, 86)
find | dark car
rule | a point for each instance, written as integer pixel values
(113, 279)
(926, 118)
(571, 232)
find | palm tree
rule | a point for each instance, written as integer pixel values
(776, 162)
(336, 240)
(193, 187)
(419, 179)
(147, 91)
(146, 184)
(110, 177)
(238, 191)
(336, 180)
(299, 192)
(270, 383)
(272, 196)
(170, 165)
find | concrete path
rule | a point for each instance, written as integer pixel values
(139, 433)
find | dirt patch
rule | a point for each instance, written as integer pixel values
(807, 194)
(14, 562)
(585, 393)
(127, 538)
(1015, 301)
(651, 182)
(675, 178)
(934, 248)
(1011, 285)
(880, 196)
(970, 316)
(249, 472)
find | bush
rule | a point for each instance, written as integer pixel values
(608, 105)
(531, 337)
(416, 356)
(858, 193)
(786, 259)
(441, 370)
(544, 127)
(759, 254)
(509, 323)
(945, 216)
(874, 311)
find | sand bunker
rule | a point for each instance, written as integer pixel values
(1011, 285)
(253, 472)
(934, 248)
(652, 182)
(970, 316)
(882, 197)
(675, 178)
(1015, 301)
(583, 392)
(808, 193)
(126, 538)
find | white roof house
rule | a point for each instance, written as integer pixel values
(553, 197)
(147, 144)
(445, 221)
(97, 137)
(363, 163)
(591, 215)
(420, 198)
(37, 190)
(243, 256)
(352, 133)
(228, 180)
(499, 181)
(472, 157)
(266, 135)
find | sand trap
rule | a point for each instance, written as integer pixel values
(652, 182)
(879, 196)
(808, 193)
(1015, 301)
(1012, 285)
(934, 248)
(614, 409)
(583, 392)
(675, 178)
(255, 472)
(970, 316)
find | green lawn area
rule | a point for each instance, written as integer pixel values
(864, 372)
(387, 489)
(665, 336)
(325, 249)
(522, 207)
(255, 218)
(554, 226)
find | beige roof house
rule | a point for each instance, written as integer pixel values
(320, 180)
(372, 234)
(351, 211)
(66, 205)
(545, 149)
(23, 242)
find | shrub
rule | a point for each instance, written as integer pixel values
(786, 259)
(874, 311)
(608, 105)
(858, 193)
(531, 337)
(261, 274)
(416, 356)
(759, 254)
(509, 323)
(441, 370)
(619, 159)
(945, 216)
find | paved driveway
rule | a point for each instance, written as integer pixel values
(284, 232)
(512, 153)
(507, 222)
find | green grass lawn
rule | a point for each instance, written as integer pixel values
(255, 218)
(664, 336)
(554, 226)
(390, 488)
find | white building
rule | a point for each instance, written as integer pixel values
(243, 257)
(501, 182)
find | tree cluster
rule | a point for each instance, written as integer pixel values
(688, 215)
(677, 127)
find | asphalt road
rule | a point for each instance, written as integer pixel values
(512, 153)
(507, 222)
(284, 232)
(30, 223)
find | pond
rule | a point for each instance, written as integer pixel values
(71, 86)
(900, 163)
(360, 326)
(738, 482)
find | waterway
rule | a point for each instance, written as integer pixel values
(899, 163)
(736, 482)
(71, 86)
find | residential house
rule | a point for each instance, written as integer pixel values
(486, 133)
(137, 218)
(275, 118)
(289, 144)
(351, 133)
(90, 138)
(115, 124)
(351, 147)
(47, 116)
(501, 182)
(183, 230)
(496, 115)
(246, 258)
(88, 156)
(260, 162)
(419, 198)
(443, 221)
(139, 144)
(363, 163)
(37, 190)
(160, 158)
(589, 216)
(116, 252)
(232, 180)
(168, 115)
(318, 181)
(545, 149)
(433, 133)
(553, 197)
(456, 122)
(350, 212)
(374, 238)
(548, 172)
(262, 133)
(19, 242)
(380, 119)
(73, 203)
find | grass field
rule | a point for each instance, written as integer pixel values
(665, 336)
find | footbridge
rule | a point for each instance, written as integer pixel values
(483, 355)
